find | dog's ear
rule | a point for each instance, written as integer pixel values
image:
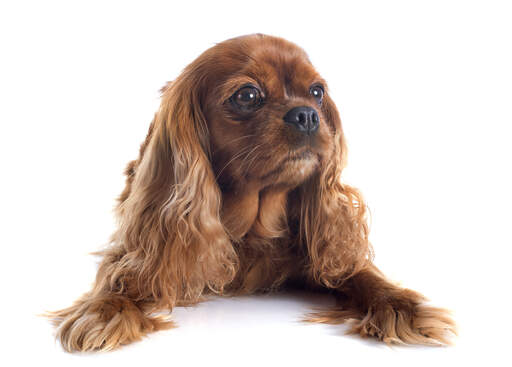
(333, 222)
(339, 161)
(173, 242)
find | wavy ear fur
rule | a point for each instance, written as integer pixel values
(333, 216)
(169, 225)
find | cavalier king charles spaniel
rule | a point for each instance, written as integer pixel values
(237, 190)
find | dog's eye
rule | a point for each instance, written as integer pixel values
(247, 97)
(317, 92)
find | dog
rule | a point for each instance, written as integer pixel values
(237, 189)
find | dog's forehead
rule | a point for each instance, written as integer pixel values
(281, 68)
(281, 71)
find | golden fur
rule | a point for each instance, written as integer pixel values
(227, 201)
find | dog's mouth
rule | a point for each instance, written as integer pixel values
(295, 164)
(298, 158)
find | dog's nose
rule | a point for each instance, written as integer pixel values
(304, 119)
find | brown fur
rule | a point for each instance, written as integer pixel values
(219, 202)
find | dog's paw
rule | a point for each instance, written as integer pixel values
(422, 325)
(396, 324)
(103, 323)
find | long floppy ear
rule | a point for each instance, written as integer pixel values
(171, 244)
(333, 215)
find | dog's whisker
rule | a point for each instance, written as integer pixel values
(243, 151)
(238, 139)
(246, 158)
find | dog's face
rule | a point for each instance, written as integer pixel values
(268, 113)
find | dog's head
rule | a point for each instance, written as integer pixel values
(268, 113)
(259, 111)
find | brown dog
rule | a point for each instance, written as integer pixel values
(237, 190)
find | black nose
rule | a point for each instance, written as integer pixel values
(304, 119)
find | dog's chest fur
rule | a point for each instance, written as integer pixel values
(266, 253)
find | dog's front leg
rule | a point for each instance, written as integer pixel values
(378, 308)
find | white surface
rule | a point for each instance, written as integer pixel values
(425, 96)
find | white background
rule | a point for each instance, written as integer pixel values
(425, 94)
